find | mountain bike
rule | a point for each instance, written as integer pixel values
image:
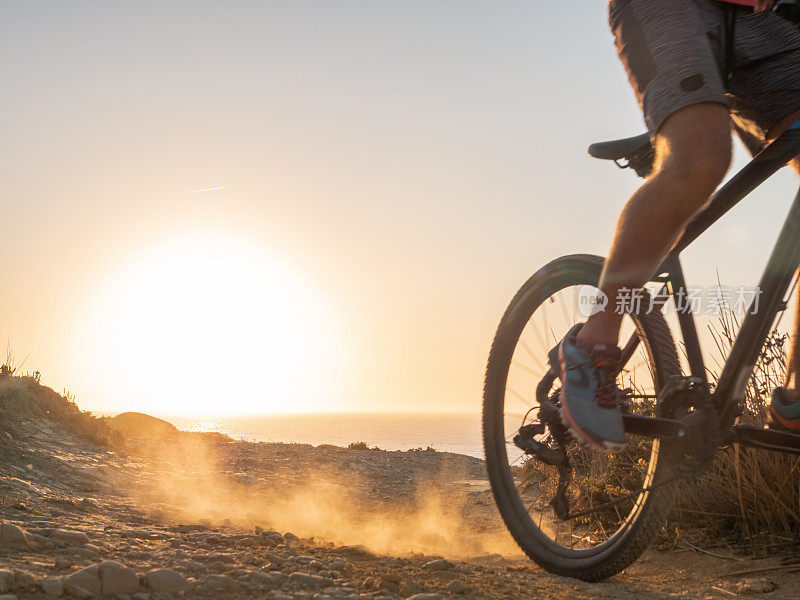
(585, 514)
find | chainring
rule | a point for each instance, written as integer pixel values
(687, 399)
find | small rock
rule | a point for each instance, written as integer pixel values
(409, 588)
(52, 586)
(194, 566)
(91, 503)
(140, 596)
(274, 558)
(71, 537)
(215, 583)
(77, 591)
(166, 580)
(338, 565)
(24, 581)
(13, 534)
(87, 580)
(310, 581)
(6, 580)
(262, 579)
(457, 587)
(438, 565)
(756, 586)
(8, 597)
(116, 579)
(425, 597)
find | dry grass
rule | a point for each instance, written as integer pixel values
(23, 397)
(748, 496)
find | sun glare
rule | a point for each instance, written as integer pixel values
(211, 326)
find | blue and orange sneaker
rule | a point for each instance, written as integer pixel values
(785, 413)
(589, 395)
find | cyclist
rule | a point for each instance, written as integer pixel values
(695, 66)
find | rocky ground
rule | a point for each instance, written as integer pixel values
(194, 517)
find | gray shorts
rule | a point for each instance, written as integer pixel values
(675, 54)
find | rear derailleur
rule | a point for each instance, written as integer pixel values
(554, 451)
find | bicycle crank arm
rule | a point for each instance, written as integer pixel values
(773, 440)
(654, 427)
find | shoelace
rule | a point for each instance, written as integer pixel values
(606, 395)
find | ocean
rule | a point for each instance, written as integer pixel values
(459, 433)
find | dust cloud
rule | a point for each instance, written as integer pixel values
(188, 480)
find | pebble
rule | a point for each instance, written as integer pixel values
(409, 588)
(756, 586)
(310, 581)
(194, 566)
(218, 582)
(166, 580)
(457, 587)
(438, 565)
(338, 565)
(52, 586)
(77, 591)
(71, 537)
(425, 597)
(6, 580)
(8, 597)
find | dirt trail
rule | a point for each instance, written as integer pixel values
(187, 518)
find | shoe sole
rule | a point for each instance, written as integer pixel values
(792, 426)
(580, 434)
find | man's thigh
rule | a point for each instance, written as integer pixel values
(671, 53)
(765, 83)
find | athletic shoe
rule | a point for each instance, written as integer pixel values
(785, 413)
(589, 395)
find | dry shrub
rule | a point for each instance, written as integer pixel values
(23, 397)
(752, 496)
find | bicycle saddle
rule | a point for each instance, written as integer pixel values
(637, 151)
(618, 149)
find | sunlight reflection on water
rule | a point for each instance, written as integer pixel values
(459, 433)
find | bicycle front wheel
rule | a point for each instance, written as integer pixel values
(617, 501)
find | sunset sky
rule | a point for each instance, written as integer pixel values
(258, 206)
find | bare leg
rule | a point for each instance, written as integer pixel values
(693, 150)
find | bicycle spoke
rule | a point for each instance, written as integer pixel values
(599, 503)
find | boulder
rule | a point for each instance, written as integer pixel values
(116, 579)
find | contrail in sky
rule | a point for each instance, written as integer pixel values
(214, 189)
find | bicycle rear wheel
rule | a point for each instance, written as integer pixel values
(621, 499)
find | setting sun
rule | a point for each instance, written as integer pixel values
(209, 325)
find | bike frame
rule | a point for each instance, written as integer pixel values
(783, 262)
